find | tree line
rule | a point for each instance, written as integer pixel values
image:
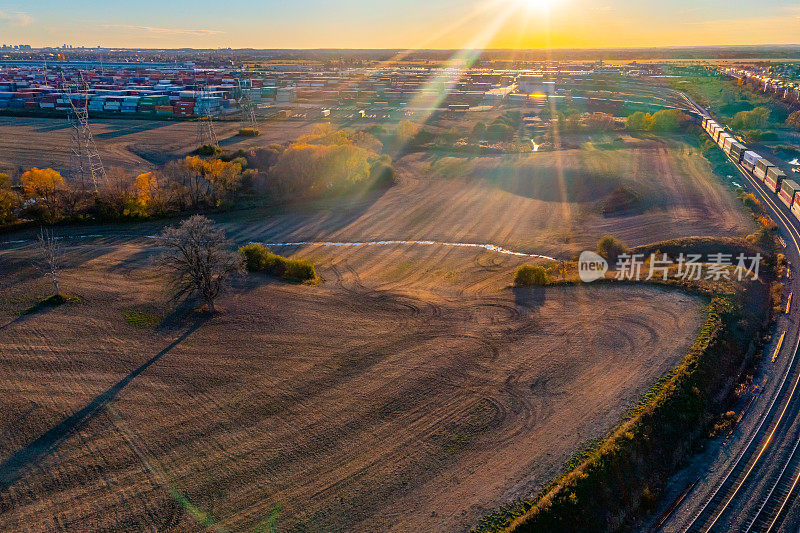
(324, 162)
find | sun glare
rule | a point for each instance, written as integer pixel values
(539, 5)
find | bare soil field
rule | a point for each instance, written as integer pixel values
(131, 145)
(544, 203)
(412, 390)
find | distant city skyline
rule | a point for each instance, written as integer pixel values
(394, 24)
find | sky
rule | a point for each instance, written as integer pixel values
(399, 24)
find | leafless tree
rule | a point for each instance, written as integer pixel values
(199, 261)
(51, 257)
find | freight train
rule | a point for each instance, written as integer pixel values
(765, 171)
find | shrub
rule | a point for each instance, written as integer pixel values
(610, 248)
(382, 173)
(776, 296)
(757, 118)
(263, 158)
(255, 256)
(249, 132)
(664, 120)
(751, 202)
(793, 120)
(669, 120)
(529, 276)
(299, 269)
(785, 149)
(310, 170)
(639, 121)
(768, 223)
(752, 135)
(621, 199)
(259, 258)
(208, 150)
(758, 135)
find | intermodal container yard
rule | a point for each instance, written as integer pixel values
(143, 93)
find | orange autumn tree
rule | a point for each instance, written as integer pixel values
(47, 188)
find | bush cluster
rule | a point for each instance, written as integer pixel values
(529, 276)
(666, 120)
(259, 258)
(326, 162)
(610, 248)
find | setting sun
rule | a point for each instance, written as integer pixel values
(536, 4)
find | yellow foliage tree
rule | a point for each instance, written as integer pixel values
(146, 188)
(406, 130)
(42, 183)
(47, 188)
(212, 177)
(310, 170)
(7, 199)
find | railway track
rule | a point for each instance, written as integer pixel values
(770, 459)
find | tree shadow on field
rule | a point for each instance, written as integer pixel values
(232, 140)
(120, 130)
(60, 125)
(307, 221)
(530, 298)
(251, 281)
(15, 466)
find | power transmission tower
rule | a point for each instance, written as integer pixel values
(85, 166)
(247, 106)
(205, 124)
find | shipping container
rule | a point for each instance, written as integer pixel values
(737, 151)
(749, 159)
(789, 190)
(773, 181)
(796, 207)
(760, 168)
(726, 146)
(775, 173)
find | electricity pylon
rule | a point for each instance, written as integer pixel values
(247, 106)
(85, 166)
(205, 125)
